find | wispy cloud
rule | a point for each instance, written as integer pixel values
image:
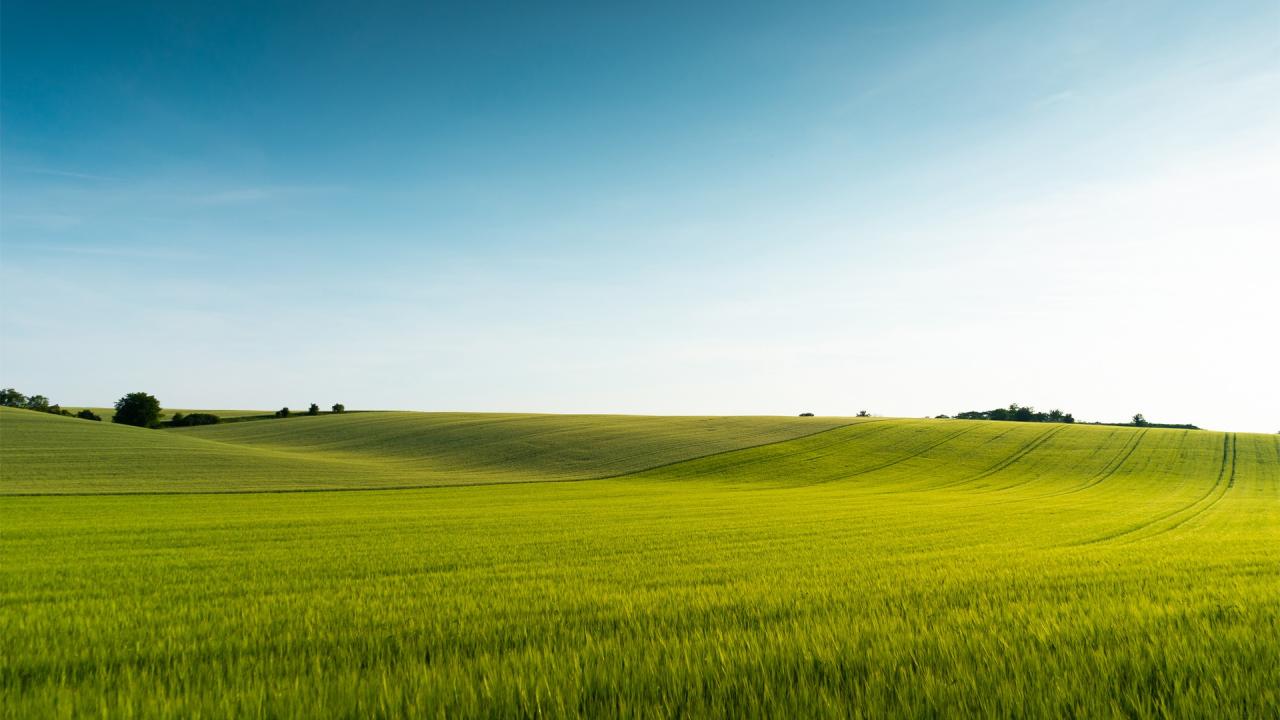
(1063, 96)
(43, 221)
(258, 194)
(65, 174)
(137, 253)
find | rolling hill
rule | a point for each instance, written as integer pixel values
(50, 454)
(715, 567)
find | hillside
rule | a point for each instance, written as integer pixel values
(49, 454)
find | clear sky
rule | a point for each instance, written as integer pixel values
(910, 208)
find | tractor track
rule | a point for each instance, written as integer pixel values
(1110, 469)
(1224, 481)
(891, 463)
(1020, 453)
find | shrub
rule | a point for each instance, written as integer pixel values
(194, 419)
(314, 409)
(87, 414)
(339, 408)
(282, 412)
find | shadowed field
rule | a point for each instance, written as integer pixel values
(741, 567)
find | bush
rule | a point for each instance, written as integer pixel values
(194, 419)
(138, 409)
(87, 414)
(806, 414)
(282, 412)
(339, 408)
(314, 409)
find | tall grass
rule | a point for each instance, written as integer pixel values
(898, 568)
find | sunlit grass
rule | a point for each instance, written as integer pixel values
(894, 568)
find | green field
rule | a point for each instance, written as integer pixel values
(591, 566)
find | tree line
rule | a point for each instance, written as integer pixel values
(10, 397)
(138, 409)
(1016, 413)
(1026, 413)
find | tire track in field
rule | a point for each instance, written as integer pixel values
(902, 459)
(1020, 453)
(751, 461)
(1224, 481)
(1231, 482)
(1108, 470)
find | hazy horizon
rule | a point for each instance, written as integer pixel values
(911, 209)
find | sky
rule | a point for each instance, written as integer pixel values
(910, 208)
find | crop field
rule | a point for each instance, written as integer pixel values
(454, 565)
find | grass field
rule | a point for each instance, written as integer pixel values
(722, 567)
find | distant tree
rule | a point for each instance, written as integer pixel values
(1019, 413)
(12, 398)
(1139, 420)
(39, 403)
(314, 409)
(863, 413)
(138, 409)
(339, 408)
(282, 412)
(87, 414)
(806, 414)
(942, 417)
(180, 420)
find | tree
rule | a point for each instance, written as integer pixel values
(137, 409)
(314, 409)
(1139, 420)
(282, 412)
(339, 408)
(12, 398)
(863, 413)
(87, 414)
(39, 403)
(806, 414)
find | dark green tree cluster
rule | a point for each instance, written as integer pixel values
(137, 409)
(1018, 413)
(181, 420)
(10, 397)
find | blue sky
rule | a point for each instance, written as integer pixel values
(911, 208)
